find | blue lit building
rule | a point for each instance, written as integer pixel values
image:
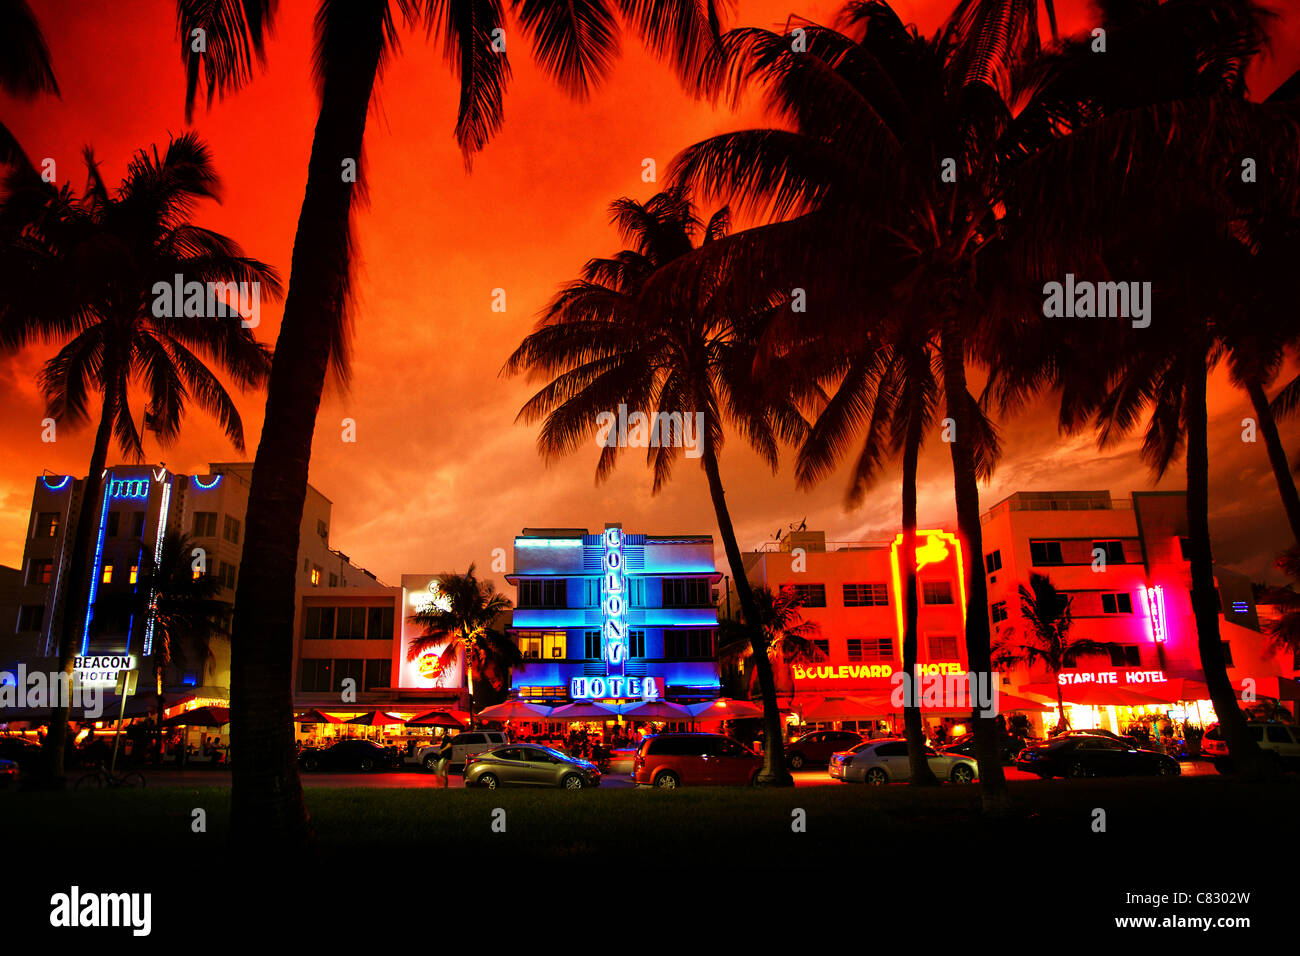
(614, 616)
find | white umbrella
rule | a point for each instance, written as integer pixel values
(724, 709)
(583, 710)
(654, 710)
(514, 710)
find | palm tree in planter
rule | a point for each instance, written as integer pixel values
(789, 639)
(178, 607)
(464, 623)
(678, 363)
(82, 270)
(577, 44)
(1046, 611)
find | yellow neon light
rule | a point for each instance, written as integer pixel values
(934, 549)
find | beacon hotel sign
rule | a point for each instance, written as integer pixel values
(613, 635)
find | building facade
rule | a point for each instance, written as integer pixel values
(140, 505)
(614, 616)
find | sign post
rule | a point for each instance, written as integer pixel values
(126, 681)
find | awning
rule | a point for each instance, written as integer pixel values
(654, 710)
(724, 708)
(515, 710)
(200, 717)
(316, 717)
(583, 710)
(841, 708)
(438, 718)
(1095, 695)
(378, 719)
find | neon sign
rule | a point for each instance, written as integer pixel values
(199, 483)
(1156, 607)
(102, 671)
(128, 488)
(613, 603)
(932, 547)
(1112, 677)
(595, 688)
(63, 483)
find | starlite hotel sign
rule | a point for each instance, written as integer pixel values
(613, 606)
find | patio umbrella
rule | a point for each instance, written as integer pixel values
(377, 719)
(841, 708)
(316, 717)
(437, 718)
(514, 710)
(583, 710)
(724, 709)
(1277, 688)
(200, 717)
(654, 710)
(1009, 702)
(1097, 695)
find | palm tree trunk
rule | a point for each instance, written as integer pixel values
(993, 783)
(267, 808)
(774, 772)
(1062, 722)
(76, 595)
(469, 677)
(1276, 457)
(921, 774)
(1241, 746)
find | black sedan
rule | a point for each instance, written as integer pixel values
(348, 755)
(1093, 756)
(964, 746)
(26, 753)
(815, 749)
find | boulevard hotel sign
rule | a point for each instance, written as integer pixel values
(613, 605)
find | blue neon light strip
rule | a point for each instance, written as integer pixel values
(199, 482)
(95, 568)
(548, 543)
(63, 483)
(157, 559)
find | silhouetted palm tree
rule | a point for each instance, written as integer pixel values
(25, 69)
(1046, 611)
(788, 637)
(465, 626)
(83, 271)
(602, 347)
(576, 43)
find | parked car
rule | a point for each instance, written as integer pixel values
(964, 746)
(816, 748)
(1093, 755)
(463, 746)
(1127, 739)
(529, 765)
(879, 762)
(8, 772)
(669, 761)
(1279, 741)
(360, 755)
(26, 753)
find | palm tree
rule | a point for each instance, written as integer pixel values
(25, 69)
(465, 626)
(885, 193)
(689, 361)
(178, 606)
(788, 638)
(1046, 611)
(83, 270)
(576, 43)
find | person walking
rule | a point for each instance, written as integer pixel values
(444, 759)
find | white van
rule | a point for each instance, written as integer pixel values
(463, 745)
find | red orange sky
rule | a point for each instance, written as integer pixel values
(440, 474)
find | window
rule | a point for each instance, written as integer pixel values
(1045, 553)
(306, 565)
(1125, 655)
(530, 647)
(1117, 603)
(315, 577)
(865, 595)
(334, 580)
(993, 561)
(553, 646)
(998, 612)
(591, 592)
(31, 617)
(870, 650)
(936, 592)
(114, 521)
(349, 668)
(106, 576)
(823, 649)
(686, 592)
(205, 524)
(635, 644)
(891, 750)
(350, 623)
(137, 524)
(231, 530)
(1278, 735)
(635, 591)
(320, 623)
(314, 675)
(379, 623)
(544, 593)
(1227, 654)
(39, 571)
(228, 575)
(379, 673)
(685, 643)
(943, 647)
(47, 525)
(322, 528)
(591, 645)
(1113, 550)
(135, 574)
(810, 595)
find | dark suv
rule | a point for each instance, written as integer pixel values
(669, 761)
(1279, 742)
(816, 748)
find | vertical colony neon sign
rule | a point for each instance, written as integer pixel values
(613, 604)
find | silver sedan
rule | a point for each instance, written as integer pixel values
(879, 762)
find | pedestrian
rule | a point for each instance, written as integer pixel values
(444, 759)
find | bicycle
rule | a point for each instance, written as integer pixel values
(101, 779)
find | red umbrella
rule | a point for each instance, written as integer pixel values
(316, 717)
(378, 719)
(436, 718)
(724, 709)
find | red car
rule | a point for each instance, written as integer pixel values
(678, 760)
